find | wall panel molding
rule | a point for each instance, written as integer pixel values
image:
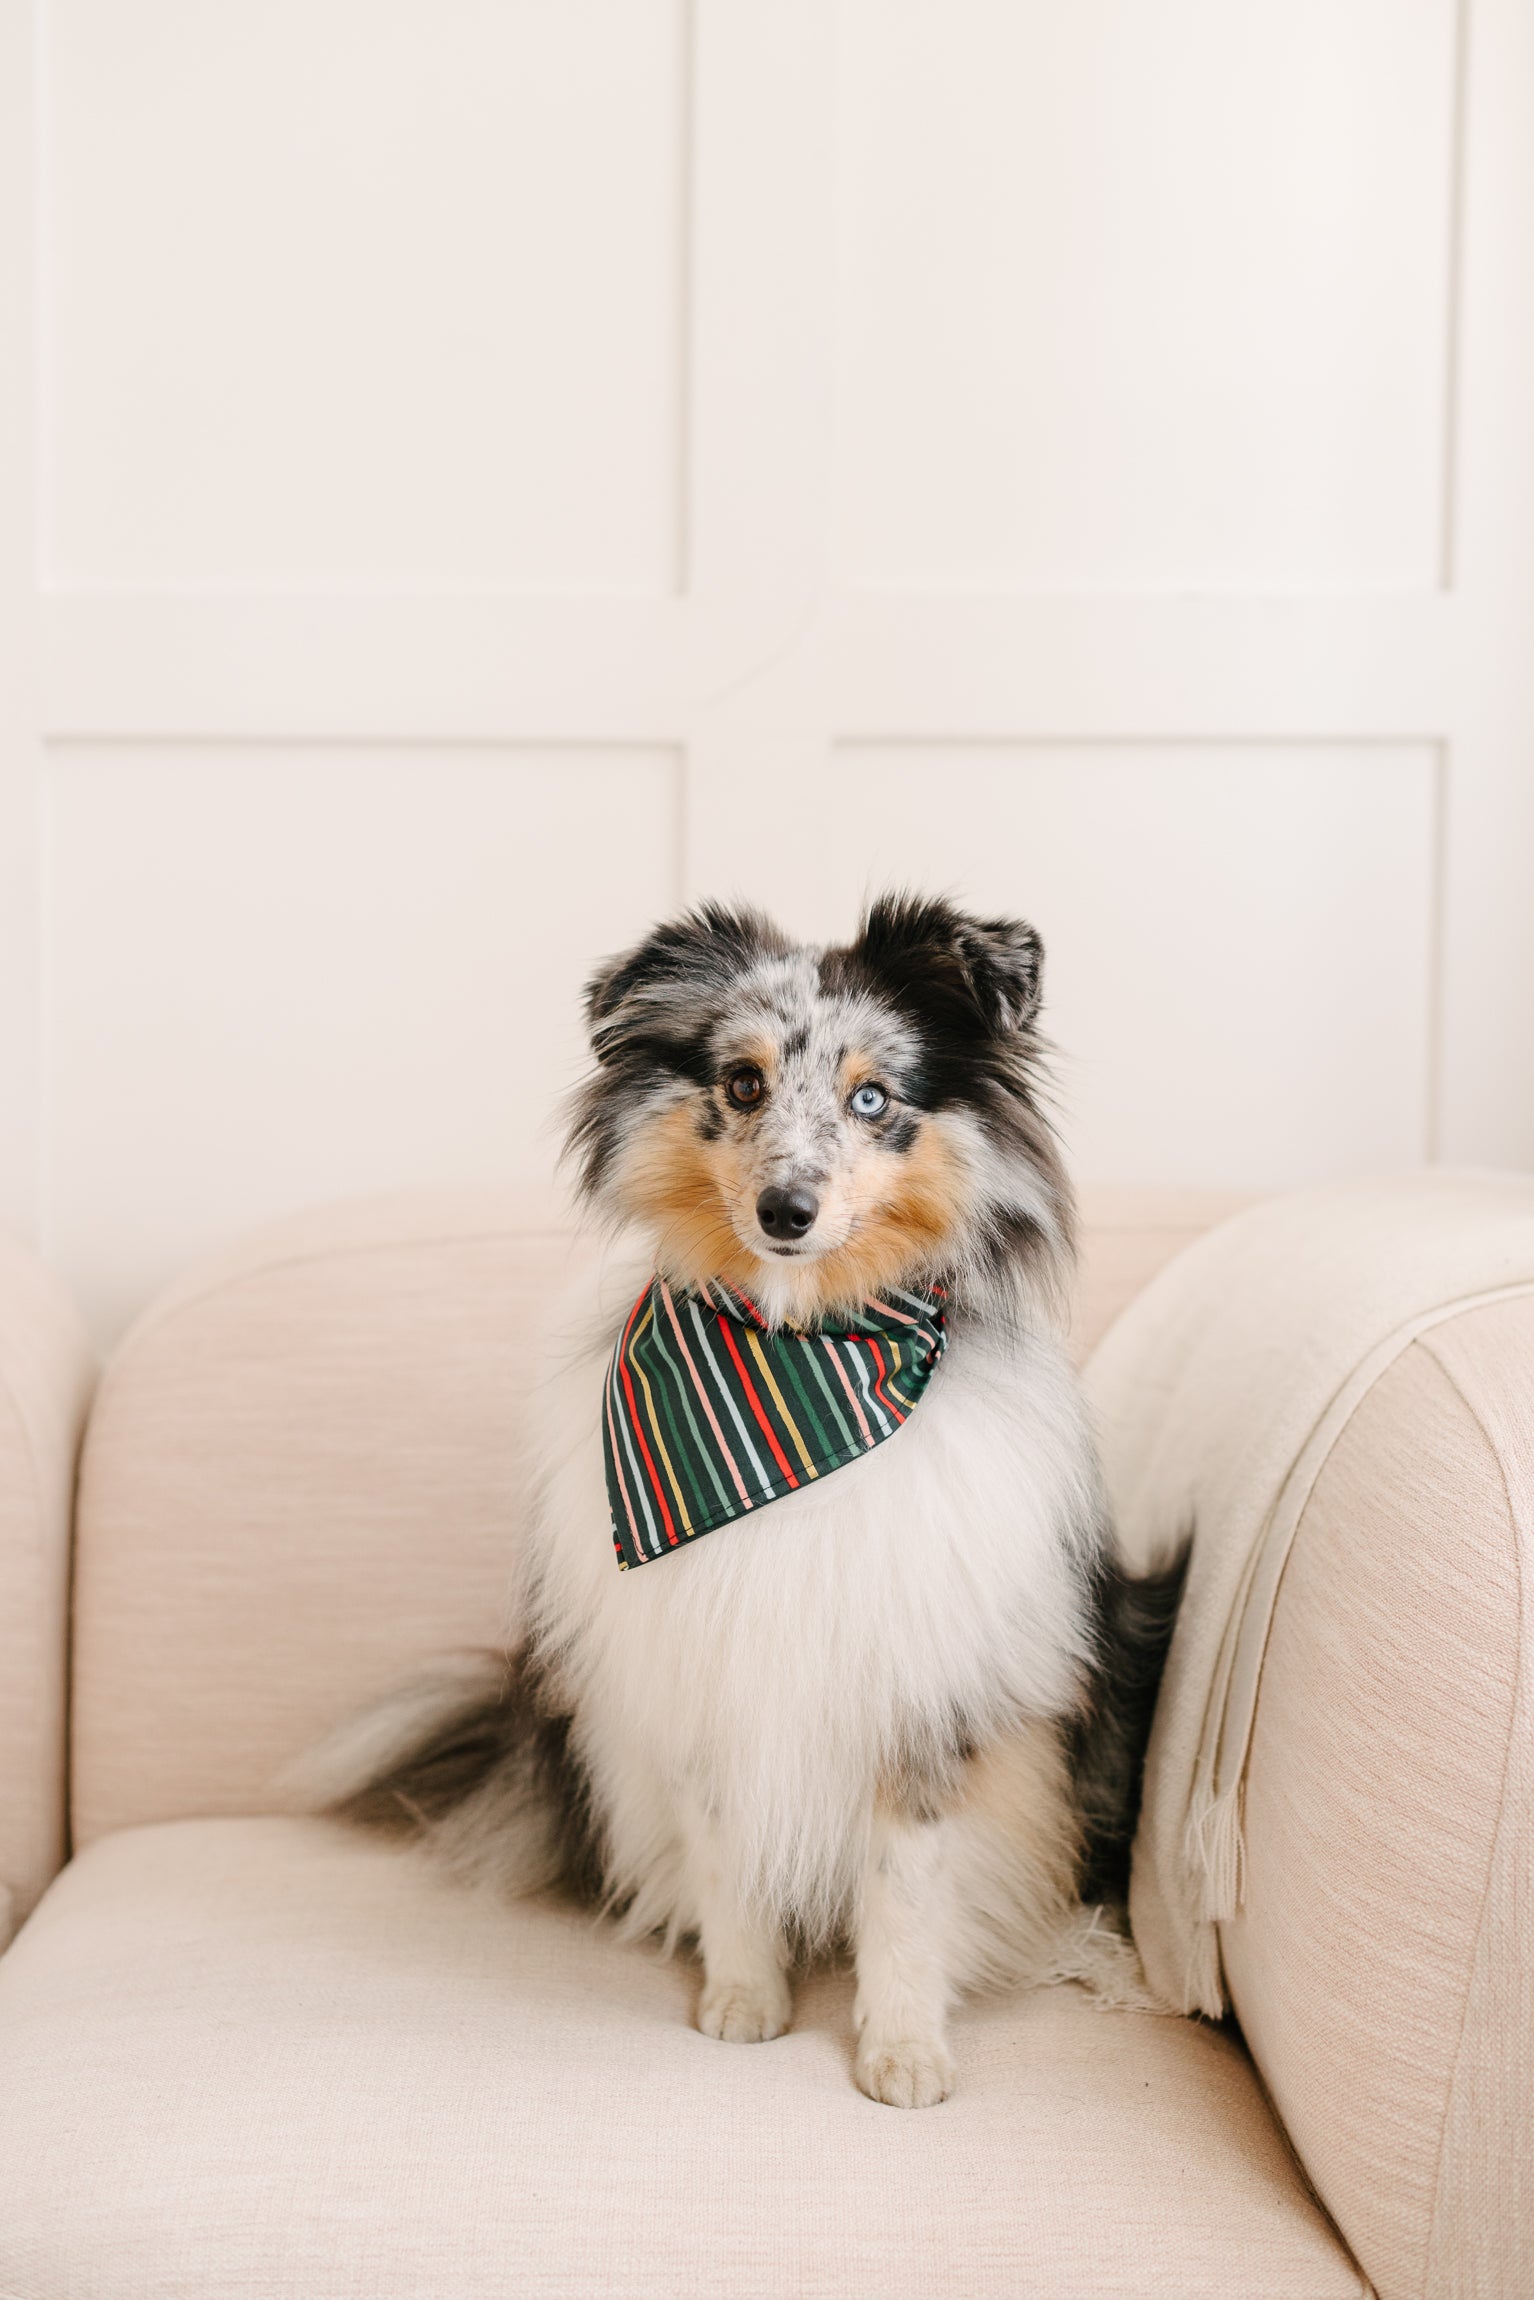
(20, 749)
(839, 562)
(488, 668)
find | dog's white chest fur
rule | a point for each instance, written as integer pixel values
(879, 1708)
(775, 1669)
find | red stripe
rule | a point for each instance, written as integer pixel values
(623, 1485)
(750, 1305)
(720, 1439)
(879, 1389)
(756, 1403)
(867, 1342)
(628, 1386)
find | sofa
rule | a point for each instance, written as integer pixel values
(247, 2055)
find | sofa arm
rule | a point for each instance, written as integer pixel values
(1383, 1962)
(46, 1375)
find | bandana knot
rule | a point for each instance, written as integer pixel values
(709, 1413)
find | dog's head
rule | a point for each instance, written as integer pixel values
(816, 1124)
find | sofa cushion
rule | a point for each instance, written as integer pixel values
(301, 1477)
(266, 2060)
(1381, 1964)
(46, 1374)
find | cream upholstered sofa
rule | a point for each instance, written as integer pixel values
(244, 2056)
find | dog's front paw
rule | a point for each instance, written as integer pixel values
(744, 2012)
(904, 2072)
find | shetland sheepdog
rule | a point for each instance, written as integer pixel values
(902, 1710)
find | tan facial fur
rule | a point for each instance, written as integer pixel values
(904, 1207)
(886, 1215)
(683, 1186)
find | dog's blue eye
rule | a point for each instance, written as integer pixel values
(869, 1101)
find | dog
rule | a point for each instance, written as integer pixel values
(896, 1700)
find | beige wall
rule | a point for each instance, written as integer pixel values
(475, 474)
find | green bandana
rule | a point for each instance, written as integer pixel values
(708, 1413)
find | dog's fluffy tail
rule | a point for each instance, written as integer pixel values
(1136, 1616)
(470, 1759)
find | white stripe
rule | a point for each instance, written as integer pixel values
(628, 1446)
(745, 1437)
(862, 1374)
(935, 1336)
(916, 1300)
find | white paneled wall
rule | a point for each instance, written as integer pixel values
(336, 974)
(474, 473)
(1295, 880)
(352, 294)
(1145, 298)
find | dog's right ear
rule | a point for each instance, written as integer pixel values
(655, 988)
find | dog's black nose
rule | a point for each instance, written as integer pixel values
(787, 1213)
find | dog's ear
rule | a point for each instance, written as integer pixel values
(930, 956)
(664, 980)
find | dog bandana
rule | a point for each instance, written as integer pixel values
(708, 1414)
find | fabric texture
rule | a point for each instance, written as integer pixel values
(1381, 1966)
(1482, 2227)
(263, 2060)
(1128, 1235)
(303, 1479)
(709, 1413)
(267, 2060)
(1219, 1395)
(46, 1375)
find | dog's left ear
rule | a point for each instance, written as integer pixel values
(930, 954)
(1006, 961)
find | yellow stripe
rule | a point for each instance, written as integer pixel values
(789, 1423)
(660, 1443)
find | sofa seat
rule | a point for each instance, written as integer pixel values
(249, 2059)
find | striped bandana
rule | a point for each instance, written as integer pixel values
(708, 1414)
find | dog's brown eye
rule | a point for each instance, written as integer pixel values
(745, 1088)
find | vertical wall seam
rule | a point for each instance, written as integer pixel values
(1458, 163)
(686, 346)
(1437, 950)
(43, 1129)
(42, 305)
